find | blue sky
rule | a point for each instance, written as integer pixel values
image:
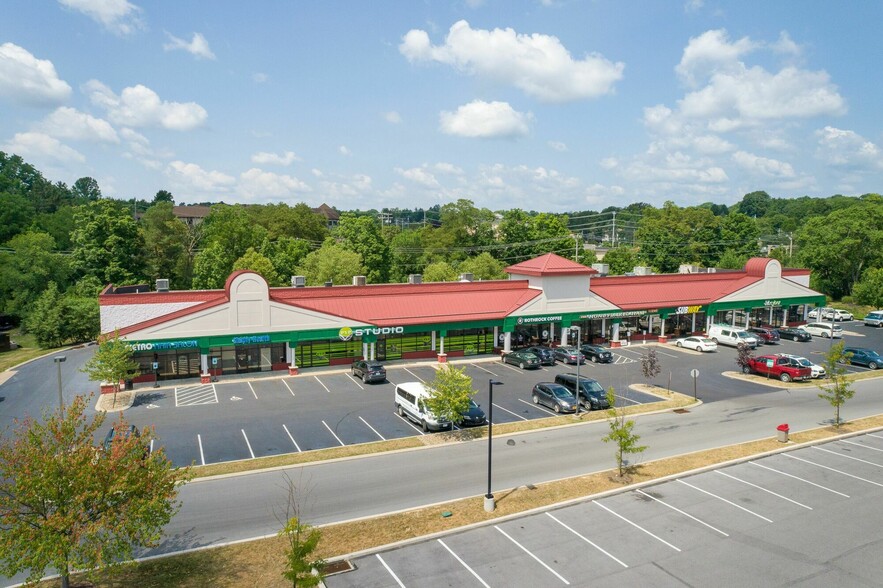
(548, 105)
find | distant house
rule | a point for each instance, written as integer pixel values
(191, 214)
(332, 217)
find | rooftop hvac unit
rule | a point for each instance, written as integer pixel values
(329, 283)
(466, 277)
(415, 278)
(642, 270)
(298, 281)
(601, 268)
(162, 285)
(359, 280)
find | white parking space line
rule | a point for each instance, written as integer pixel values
(252, 390)
(608, 554)
(799, 478)
(287, 386)
(833, 470)
(539, 406)
(413, 426)
(201, 454)
(196, 395)
(514, 369)
(463, 563)
(296, 446)
(247, 443)
(664, 353)
(876, 465)
(510, 412)
(860, 445)
(391, 573)
(873, 435)
(686, 514)
(623, 358)
(321, 384)
(356, 381)
(525, 550)
(730, 502)
(373, 429)
(764, 489)
(484, 370)
(333, 433)
(636, 525)
(415, 375)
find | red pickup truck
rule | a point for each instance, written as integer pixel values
(774, 366)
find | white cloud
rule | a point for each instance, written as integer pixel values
(693, 5)
(42, 147)
(190, 176)
(139, 106)
(392, 117)
(475, 3)
(485, 120)
(447, 168)
(257, 184)
(785, 45)
(264, 158)
(609, 163)
(845, 148)
(419, 175)
(317, 172)
(344, 150)
(709, 53)
(70, 123)
(763, 165)
(29, 80)
(537, 64)
(140, 150)
(198, 46)
(260, 78)
(557, 145)
(118, 16)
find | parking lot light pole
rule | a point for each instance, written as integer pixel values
(577, 334)
(60, 359)
(489, 503)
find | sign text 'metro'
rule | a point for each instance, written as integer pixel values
(162, 345)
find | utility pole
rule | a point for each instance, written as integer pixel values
(576, 241)
(614, 229)
(790, 246)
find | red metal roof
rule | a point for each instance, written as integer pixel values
(550, 265)
(668, 290)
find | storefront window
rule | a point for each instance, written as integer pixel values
(470, 341)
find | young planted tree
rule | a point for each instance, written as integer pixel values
(450, 394)
(112, 363)
(744, 357)
(621, 435)
(838, 389)
(301, 568)
(66, 504)
(650, 365)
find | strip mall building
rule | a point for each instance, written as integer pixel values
(250, 327)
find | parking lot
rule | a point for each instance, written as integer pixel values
(237, 419)
(807, 517)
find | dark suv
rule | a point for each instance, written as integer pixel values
(765, 335)
(591, 393)
(597, 353)
(545, 354)
(369, 371)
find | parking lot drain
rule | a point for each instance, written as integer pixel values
(530, 486)
(338, 567)
(446, 514)
(681, 410)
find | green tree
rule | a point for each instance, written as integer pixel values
(440, 271)
(671, 236)
(869, 290)
(362, 234)
(112, 363)
(165, 239)
(738, 234)
(65, 505)
(731, 260)
(406, 249)
(755, 204)
(463, 228)
(621, 260)
(46, 319)
(449, 394)
(331, 262)
(234, 230)
(254, 261)
(211, 267)
(483, 267)
(622, 435)
(86, 190)
(107, 243)
(297, 222)
(163, 196)
(26, 271)
(838, 389)
(285, 253)
(16, 213)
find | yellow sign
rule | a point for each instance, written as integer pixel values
(345, 334)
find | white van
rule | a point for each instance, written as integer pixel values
(409, 397)
(874, 319)
(725, 335)
(825, 330)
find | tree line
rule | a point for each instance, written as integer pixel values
(60, 245)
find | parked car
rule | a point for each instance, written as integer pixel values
(864, 356)
(817, 370)
(569, 355)
(840, 315)
(591, 394)
(410, 403)
(474, 416)
(369, 371)
(818, 313)
(794, 333)
(701, 344)
(596, 353)
(764, 335)
(825, 330)
(723, 335)
(544, 354)
(778, 366)
(555, 396)
(874, 319)
(113, 434)
(522, 359)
